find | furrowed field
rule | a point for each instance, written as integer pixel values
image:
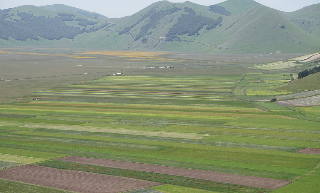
(213, 117)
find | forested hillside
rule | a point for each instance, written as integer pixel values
(21, 25)
(191, 24)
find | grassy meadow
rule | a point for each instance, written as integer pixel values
(214, 116)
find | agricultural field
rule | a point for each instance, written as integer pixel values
(202, 125)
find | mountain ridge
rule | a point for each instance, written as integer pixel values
(308, 18)
(164, 26)
(66, 8)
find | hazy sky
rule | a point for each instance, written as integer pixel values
(120, 8)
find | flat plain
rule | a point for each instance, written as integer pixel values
(209, 113)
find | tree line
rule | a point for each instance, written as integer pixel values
(308, 72)
(219, 9)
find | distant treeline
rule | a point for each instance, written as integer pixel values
(85, 22)
(33, 27)
(191, 24)
(308, 72)
(219, 9)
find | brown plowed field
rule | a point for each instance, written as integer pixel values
(310, 151)
(251, 181)
(72, 180)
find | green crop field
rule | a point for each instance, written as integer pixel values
(202, 117)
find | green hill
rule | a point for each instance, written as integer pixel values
(262, 29)
(68, 9)
(236, 7)
(38, 24)
(305, 84)
(234, 26)
(194, 28)
(307, 18)
(309, 77)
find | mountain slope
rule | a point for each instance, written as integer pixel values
(265, 30)
(307, 18)
(158, 26)
(34, 23)
(236, 7)
(187, 27)
(68, 9)
(234, 26)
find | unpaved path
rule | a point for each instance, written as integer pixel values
(251, 181)
(72, 180)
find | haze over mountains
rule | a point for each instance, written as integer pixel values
(234, 26)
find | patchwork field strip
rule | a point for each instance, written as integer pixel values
(73, 180)
(154, 88)
(195, 132)
(258, 182)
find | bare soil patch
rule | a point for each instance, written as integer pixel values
(251, 181)
(72, 180)
(310, 151)
(302, 102)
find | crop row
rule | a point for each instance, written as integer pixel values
(221, 156)
(150, 176)
(186, 122)
(156, 89)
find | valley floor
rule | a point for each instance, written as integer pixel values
(155, 110)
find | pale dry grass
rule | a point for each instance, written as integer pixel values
(19, 159)
(292, 63)
(133, 55)
(118, 131)
(125, 54)
(278, 65)
(39, 54)
(23, 53)
(130, 55)
(307, 58)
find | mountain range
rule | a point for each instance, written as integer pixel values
(233, 26)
